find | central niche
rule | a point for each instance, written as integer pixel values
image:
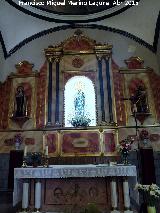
(79, 102)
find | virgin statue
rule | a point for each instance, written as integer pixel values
(79, 103)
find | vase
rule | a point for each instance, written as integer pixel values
(151, 209)
(17, 145)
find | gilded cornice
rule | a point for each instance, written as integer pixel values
(17, 75)
(78, 44)
(103, 51)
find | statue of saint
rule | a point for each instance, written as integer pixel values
(79, 103)
(139, 100)
(20, 102)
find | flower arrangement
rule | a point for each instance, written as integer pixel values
(124, 148)
(34, 159)
(80, 121)
(144, 134)
(18, 139)
(125, 145)
(150, 192)
(9, 142)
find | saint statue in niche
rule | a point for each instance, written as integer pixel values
(139, 100)
(20, 102)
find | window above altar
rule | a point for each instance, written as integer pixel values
(79, 102)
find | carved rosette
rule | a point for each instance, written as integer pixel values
(77, 62)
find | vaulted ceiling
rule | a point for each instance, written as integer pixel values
(20, 23)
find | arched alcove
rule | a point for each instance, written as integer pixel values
(79, 101)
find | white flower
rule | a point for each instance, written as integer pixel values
(137, 186)
(152, 192)
(158, 192)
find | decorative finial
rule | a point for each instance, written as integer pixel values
(78, 32)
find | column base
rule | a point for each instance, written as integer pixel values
(57, 124)
(24, 211)
(49, 124)
(37, 210)
(115, 211)
(105, 123)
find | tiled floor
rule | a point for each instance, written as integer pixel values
(6, 203)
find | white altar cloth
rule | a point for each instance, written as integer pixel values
(68, 171)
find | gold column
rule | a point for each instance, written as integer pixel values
(53, 55)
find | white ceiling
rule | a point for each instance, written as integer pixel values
(16, 26)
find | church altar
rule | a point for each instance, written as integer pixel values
(35, 186)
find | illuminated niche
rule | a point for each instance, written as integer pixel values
(79, 102)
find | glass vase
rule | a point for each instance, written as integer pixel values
(151, 209)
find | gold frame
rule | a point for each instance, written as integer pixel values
(78, 154)
(116, 137)
(145, 78)
(23, 79)
(57, 142)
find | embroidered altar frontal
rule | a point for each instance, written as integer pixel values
(70, 188)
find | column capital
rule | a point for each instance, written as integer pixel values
(104, 56)
(99, 57)
(103, 51)
(107, 56)
(53, 54)
(53, 58)
(49, 59)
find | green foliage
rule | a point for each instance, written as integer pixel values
(92, 208)
(80, 121)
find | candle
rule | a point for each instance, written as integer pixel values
(25, 151)
(44, 143)
(46, 152)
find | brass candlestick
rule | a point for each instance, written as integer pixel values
(46, 161)
(25, 210)
(36, 210)
(24, 164)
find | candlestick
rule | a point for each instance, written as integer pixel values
(44, 144)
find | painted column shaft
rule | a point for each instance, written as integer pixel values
(57, 94)
(38, 195)
(25, 195)
(126, 194)
(109, 89)
(114, 194)
(50, 94)
(101, 88)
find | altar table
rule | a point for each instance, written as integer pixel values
(23, 177)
